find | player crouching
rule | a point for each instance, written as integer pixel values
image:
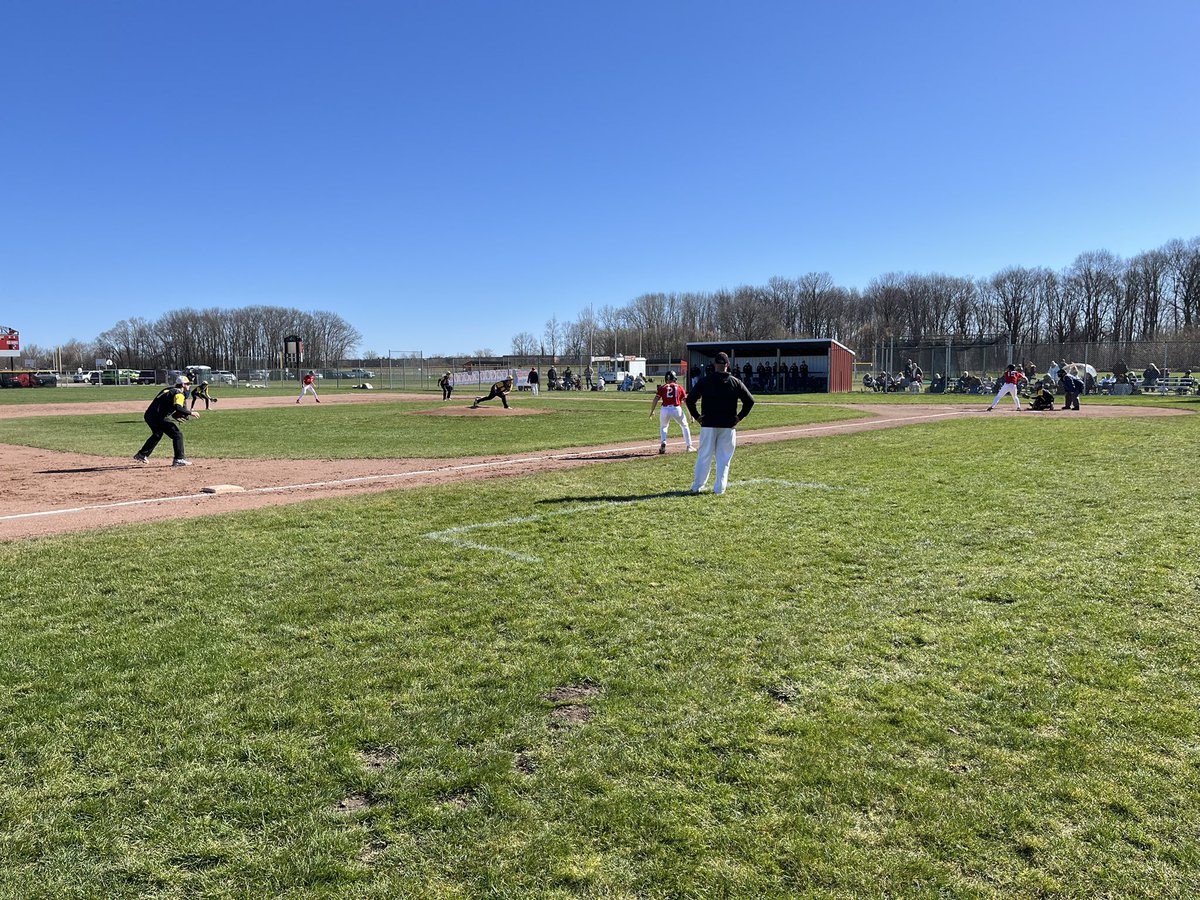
(162, 415)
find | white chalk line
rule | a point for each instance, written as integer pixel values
(363, 479)
(452, 535)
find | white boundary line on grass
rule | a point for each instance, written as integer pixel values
(362, 479)
(453, 537)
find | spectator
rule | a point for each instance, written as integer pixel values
(1150, 376)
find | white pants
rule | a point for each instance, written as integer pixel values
(718, 442)
(534, 387)
(308, 389)
(1007, 388)
(669, 414)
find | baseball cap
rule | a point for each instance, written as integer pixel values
(722, 358)
(181, 379)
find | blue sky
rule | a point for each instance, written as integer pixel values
(446, 174)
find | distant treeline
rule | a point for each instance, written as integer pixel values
(222, 338)
(1100, 298)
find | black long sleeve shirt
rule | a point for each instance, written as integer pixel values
(720, 393)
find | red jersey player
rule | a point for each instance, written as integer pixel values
(672, 397)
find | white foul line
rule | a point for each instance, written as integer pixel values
(452, 535)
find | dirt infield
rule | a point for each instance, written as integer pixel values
(48, 492)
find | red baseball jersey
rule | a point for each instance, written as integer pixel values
(1013, 377)
(671, 394)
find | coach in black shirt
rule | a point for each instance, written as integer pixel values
(718, 394)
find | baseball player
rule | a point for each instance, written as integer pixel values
(446, 383)
(499, 389)
(310, 386)
(200, 392)
(163, 414)
(672, 396)
(1012, 377)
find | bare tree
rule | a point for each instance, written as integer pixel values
(553, 335)
(1183, 260)
(524, 344)
(1097, 275)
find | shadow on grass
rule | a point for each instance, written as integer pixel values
(609, 498)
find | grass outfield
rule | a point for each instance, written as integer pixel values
(949, 660)
(387, 430)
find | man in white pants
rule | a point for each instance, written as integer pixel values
(1012, 377)
(718, 394)
(672, 397)
(310, 386)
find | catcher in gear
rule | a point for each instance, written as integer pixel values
(163, 414)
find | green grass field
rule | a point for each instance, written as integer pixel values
(953, 660)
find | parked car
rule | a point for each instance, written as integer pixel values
(259, 375)
(221, 376)
(359, 373)
(119, 376)
(28, 379)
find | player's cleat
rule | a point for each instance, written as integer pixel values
(181, 462)
(138, 458)
(691, 449)
(662, 448)
(473, 406)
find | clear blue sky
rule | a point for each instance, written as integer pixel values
(444, 174)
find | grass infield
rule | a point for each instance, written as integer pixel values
(950, 660)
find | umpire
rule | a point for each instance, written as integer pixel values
(718, 394)
(163, 414)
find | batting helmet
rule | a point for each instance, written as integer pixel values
(670, 376)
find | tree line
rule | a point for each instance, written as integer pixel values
(1099, 298)
(251, 336)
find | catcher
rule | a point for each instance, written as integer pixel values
(499, 389)
(1044, 399)
(163, 414)
(201, 393)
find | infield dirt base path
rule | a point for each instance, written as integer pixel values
(50, 492)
